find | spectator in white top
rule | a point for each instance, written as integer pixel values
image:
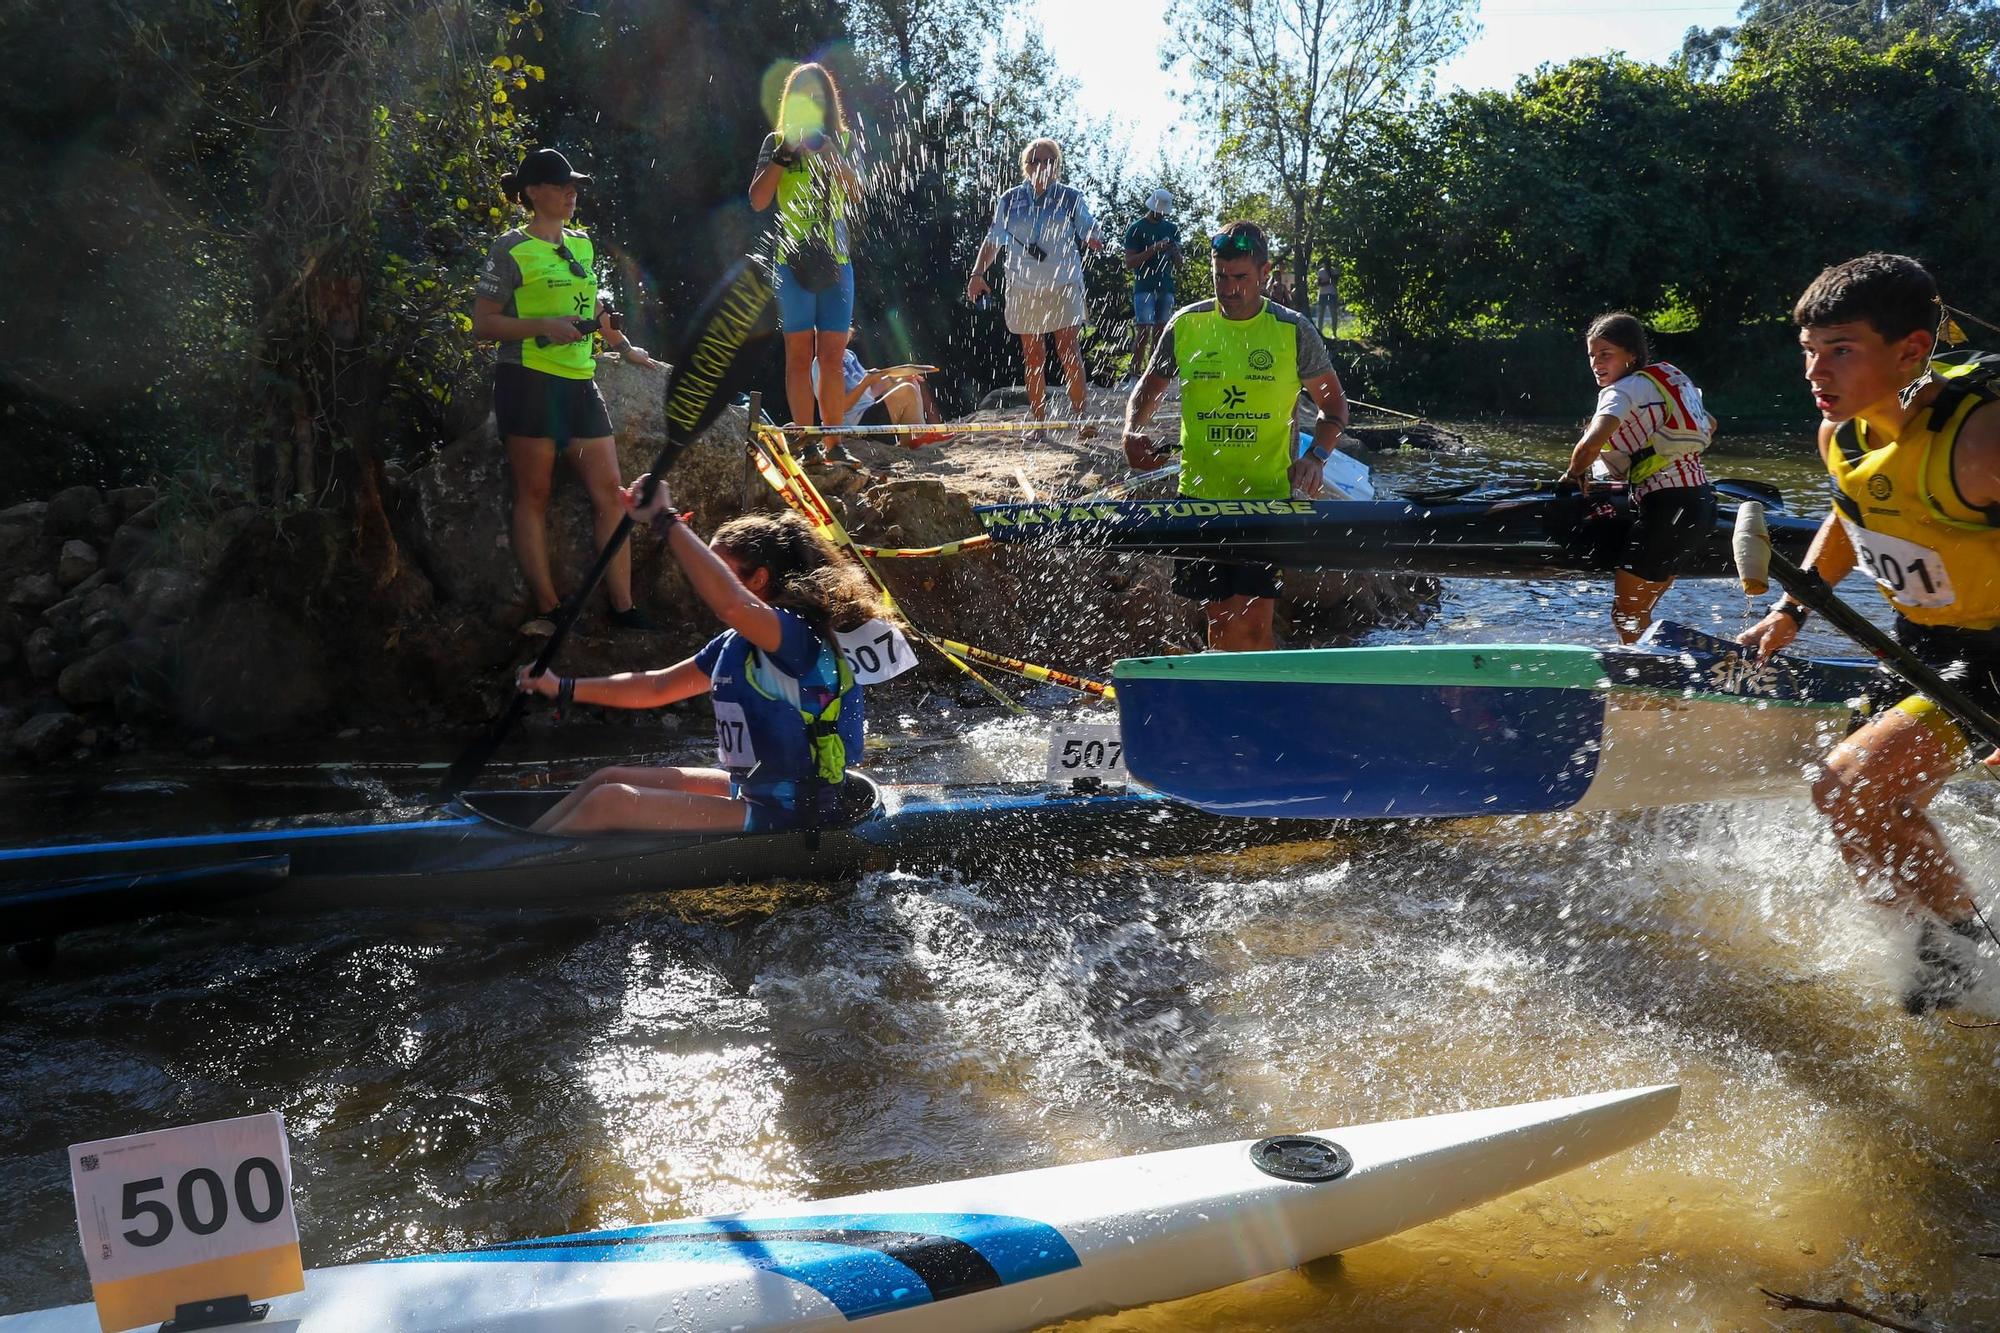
(1044, 228)
(1649, 429)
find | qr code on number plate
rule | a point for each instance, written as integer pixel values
(88, 1161)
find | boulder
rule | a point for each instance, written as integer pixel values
(99, 596)
(20, 549)
(43, 654)
(454, 515)
(104, 521)
(249, 671)
(66, 616)
(103, 628)
(33, 512)
(33, 592)
(162, 595)
(96, 679)
(130, 501)
(47, 737)
(70, 511)
(78, 561)
(132, 547)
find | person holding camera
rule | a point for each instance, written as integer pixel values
(538, 298)
(1044, 228)
(805, 168)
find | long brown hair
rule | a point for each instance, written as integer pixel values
(1625, 332)
(808, 576)
(836, 114)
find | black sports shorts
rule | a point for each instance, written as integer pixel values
(1216, 581)
(538, 406)
(1668, 525)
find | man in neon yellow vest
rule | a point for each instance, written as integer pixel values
(1241, 363)
(1911, 439)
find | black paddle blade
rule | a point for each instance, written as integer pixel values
(717, 357)
(710, 366)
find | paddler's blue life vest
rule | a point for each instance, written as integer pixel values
(785, 722)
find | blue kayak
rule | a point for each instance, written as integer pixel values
(1443, 730)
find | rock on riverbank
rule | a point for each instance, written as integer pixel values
(178, 613)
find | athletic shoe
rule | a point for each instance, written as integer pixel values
(632, 618)
(923, 438)
(1948, 964)
(1084, 429)
(541, 627)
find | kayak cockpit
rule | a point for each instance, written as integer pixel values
(861, 800)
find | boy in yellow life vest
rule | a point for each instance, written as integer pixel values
(1241, 362)
(1912, 441)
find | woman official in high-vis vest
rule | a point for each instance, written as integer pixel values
(1649, 427)
(1912, 442)
(538, 298)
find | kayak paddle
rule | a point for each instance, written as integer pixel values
(1757, 564)
(708, 369)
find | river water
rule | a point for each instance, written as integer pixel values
(480, 1078)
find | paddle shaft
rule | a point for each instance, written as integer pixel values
(1812, 592)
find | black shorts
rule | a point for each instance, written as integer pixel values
(1668, 525)
(1968, 658)
(541, 406)
(1217, 581)
(876, 415)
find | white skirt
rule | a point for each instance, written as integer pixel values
(1044, 309)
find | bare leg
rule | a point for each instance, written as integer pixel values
(798, 376)
(1632, 600)
(712, 782)
(831, 347)
(533, 463)
(596, 462)
(1074, 379)
(904, 406)
(1034, 354)
(1241, 624)
(1875, 789)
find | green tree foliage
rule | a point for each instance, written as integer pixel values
(1293, 88)
(1769, 25)
(1606, 183)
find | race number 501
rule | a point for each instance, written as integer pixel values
(183, 1215)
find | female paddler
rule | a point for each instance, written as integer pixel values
(788, 712)
(538, 298)
(1650, 427)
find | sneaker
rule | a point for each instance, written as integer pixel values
(1085, 430)
(1948, 965)
(632, 618)
(541, 627)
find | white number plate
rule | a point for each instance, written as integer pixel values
(1912, 575)
(733, 746)
(151, 1207)
(1086, 750)
(876, 652)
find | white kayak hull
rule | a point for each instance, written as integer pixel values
(999, 1252)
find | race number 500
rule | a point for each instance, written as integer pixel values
(182, 1215)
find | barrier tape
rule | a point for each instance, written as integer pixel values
(1081, 684)
(782, 473)
(957, 427)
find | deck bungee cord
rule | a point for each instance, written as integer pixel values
(781, 471)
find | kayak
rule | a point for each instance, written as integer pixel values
(479, 852)
(1000, 1252)
(1443, 730)
(1522, 532)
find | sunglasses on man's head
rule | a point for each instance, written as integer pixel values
(562, 253)
(1241, 243)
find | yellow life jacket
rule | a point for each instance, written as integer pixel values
(1934, 554)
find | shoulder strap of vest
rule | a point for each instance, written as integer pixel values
(1959, 376)
(1847, 439)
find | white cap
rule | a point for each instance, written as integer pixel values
(1161, 202)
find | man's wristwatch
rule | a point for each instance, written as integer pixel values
(1324, 456)
(1799, 613)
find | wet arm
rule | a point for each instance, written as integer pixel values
(722, 592)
